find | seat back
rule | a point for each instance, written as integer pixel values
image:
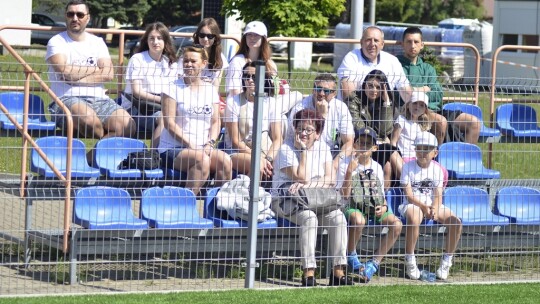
(105, 208)
(55, 147)
(471, 205)
(110, 152)
(520, 204)
(458, 156)
(14, 103)
(169, 204)
(465, 108)
(516, 117)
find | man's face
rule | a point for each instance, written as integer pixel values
(77, 18)
(324, 91)
(412, 45)
(372, 43)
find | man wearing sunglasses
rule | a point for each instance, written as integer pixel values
(79, 66)
(338, 131)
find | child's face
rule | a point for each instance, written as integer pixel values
(425, 154)
(365, 146)
(417, 108)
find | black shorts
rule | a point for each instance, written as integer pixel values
(450, 115)
(383, 153)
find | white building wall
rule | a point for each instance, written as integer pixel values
(16, 13)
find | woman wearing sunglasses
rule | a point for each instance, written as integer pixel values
(208, 35)
(239, 121)
(306, 162)
(191, 119)
(149, 72)
(253, 46)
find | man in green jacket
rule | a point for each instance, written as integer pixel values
(423, 77)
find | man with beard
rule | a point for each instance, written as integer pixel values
(79, 66)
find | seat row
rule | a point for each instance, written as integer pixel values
(515, 120)
(170, 207)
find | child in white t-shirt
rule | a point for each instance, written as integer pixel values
(349, 169)
(422, 183)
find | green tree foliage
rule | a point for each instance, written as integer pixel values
(174, 12)
(299, 18)
(123, 11)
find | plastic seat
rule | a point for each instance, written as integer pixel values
(55, 147)
(14, 103)
(110, 152)
(222, 219)
(520, 204)
(464, 161)
(105, 208)
(476, 111)
(472, 206)
(172, 207)
(517, 120)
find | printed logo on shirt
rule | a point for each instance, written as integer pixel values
(90, 61)
(425, 187)
(204, 110)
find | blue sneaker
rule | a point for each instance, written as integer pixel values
(369, 270)
(354, 262)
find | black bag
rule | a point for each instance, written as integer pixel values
(142, 160)
(318, 200)
(145, 107)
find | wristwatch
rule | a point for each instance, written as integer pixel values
(269, 158)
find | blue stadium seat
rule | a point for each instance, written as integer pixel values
(464, 161)
(476, 111)
(517, 120)
(14, 103)
(172, 207)
(110, 152)
(55, 148)
(105, 208)
(222, 219)
(520, 204)
(472, 206)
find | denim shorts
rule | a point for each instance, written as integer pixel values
(167, 157)
(104, 108)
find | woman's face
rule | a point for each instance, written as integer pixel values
(193, 64)
(253, 40)
(373, 89)
(307, 133)
(156, 44)
(248, 77)
(206, 38)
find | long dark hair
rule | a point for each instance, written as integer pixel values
(265, 52)
(168, 50)
(383, 80)
(215, 62)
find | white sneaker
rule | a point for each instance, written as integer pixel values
(411, 269)
(444, 269)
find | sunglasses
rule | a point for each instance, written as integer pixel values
(248, 76)
(325, 90)
(79, 15)
(203, 35)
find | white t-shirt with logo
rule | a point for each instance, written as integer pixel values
(78, 53)
(344, 164)
(423, 181)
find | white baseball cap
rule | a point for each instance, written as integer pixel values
(426, 139)
(419, 96)
(256, 27)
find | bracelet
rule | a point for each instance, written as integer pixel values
(212, 142)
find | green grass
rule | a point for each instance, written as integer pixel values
(443, 294)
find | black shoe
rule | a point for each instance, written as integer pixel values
(309, 281)
(342, 281)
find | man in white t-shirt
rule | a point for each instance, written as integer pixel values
(79, 65)
(359, 62)
(338, 128)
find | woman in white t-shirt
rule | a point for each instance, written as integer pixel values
(239, 120)
(253, 46)
(307, 163)
(191, 120)
(149, 72)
